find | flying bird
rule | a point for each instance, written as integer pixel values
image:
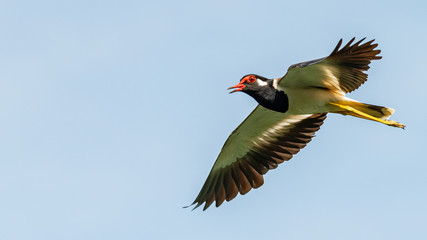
(290, 110)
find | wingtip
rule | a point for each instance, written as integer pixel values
(188, 206)
(207, 204)
(185, 207)
(359, 42)
(337, 47)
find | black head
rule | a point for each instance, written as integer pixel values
(263, 91)
(250, 83)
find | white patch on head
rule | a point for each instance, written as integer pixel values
(261, 83)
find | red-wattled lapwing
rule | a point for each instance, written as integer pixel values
(291, 109)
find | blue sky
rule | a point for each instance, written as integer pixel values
(113, 113)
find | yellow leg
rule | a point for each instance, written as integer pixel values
(361, 114)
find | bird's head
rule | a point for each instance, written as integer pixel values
(250, 84)
(264, 91)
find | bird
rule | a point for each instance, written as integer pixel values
(290, 110)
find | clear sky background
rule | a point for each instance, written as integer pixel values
(113, 113)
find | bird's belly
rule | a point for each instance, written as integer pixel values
(311, 100)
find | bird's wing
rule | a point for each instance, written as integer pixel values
(342, 70)
(262, 141)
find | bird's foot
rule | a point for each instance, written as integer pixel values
(394, 124)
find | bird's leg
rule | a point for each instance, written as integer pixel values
(354, 112)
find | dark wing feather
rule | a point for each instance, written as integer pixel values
(344, 69)
(264, 140)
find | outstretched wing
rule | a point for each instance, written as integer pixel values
(343, 70)
(262, 141)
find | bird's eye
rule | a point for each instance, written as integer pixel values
(251, 79)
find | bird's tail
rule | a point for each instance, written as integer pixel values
(366, 111)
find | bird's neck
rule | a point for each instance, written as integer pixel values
(272, 98)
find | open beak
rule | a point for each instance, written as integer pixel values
(238, 87)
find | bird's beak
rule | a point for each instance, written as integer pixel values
(238, 87)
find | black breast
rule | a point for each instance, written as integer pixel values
(276, 101)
